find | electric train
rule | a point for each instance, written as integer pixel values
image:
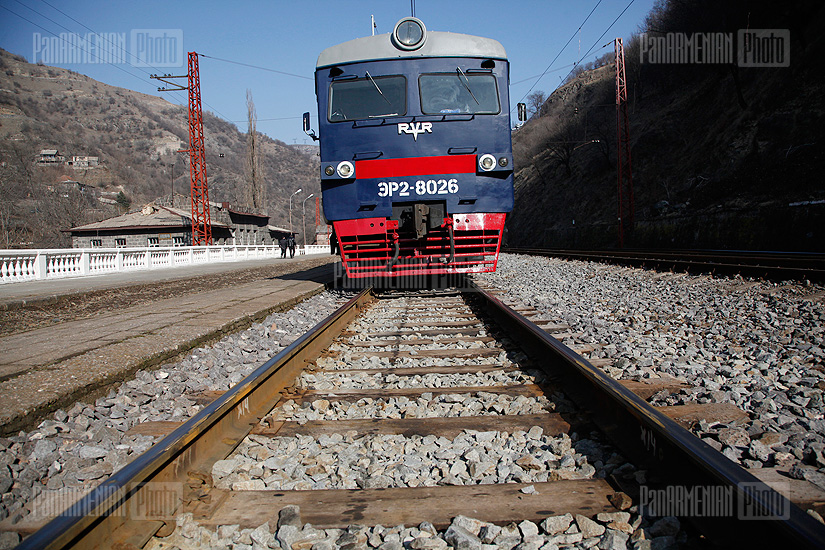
(416, 155)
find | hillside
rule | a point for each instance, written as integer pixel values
(723, 156)
(135, 136)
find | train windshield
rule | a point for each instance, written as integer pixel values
(369, 97)
(458, 92)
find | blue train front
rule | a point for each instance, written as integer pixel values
(416, 156)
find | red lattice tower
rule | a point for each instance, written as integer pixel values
(623, 168)
(201, 221)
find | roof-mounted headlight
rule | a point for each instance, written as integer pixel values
(409, 34)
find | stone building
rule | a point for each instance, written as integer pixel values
(247, 227)
(168, 222)
(50, 157)
(153, 225)
(82, 162)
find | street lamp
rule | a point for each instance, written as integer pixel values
(290, 209)
(304, 217)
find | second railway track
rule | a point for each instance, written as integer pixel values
(403, 408)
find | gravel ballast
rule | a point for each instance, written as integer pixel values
(607, 531)
(80, 447)
(755, 344)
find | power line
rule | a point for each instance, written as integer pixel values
(599, 39)
(560, 52)
(254, 66)
(64, 40)
(181, 99)
(538, 75)
(270, 119)
(55, 8)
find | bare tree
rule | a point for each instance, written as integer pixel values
(561, 149)
(254, 188)
(535, 102)
(17, 190)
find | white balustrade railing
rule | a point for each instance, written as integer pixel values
(35, 265)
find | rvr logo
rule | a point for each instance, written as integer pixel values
(415, 128)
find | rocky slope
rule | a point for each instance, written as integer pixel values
(136, 137)
(722, 156)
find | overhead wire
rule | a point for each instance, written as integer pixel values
(559, 54)
(64, 40)
(538, 75)
(587, 53)
(254, 66)
(599, 39)
(125, 51)
(183, 101)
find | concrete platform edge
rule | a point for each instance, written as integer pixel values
(27, 420)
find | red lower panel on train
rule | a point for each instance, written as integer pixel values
(375, 247)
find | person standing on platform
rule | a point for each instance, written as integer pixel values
(282, 243)
(292, 245)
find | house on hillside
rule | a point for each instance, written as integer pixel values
(153, 225)
(50, 157)
(64, 186)
(79, 163)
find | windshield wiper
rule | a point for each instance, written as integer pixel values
(379, 89)
(466, 84)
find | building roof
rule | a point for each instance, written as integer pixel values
(437, 44)
(243, 213)
(279, 229)
(151, 216)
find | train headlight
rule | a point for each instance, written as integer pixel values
(409, 34)
(503, 162)
(487, 162)
(329, 170)
(346, 169)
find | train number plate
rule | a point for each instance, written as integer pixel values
(420, 187)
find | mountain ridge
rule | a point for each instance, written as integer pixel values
(136, 136)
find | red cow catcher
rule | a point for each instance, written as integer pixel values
(465, 243)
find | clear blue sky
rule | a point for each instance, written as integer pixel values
(288, 35)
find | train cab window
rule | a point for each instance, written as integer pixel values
(458, 93)
(369, 97)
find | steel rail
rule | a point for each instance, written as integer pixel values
(671, 453)
(770, 265)
(118, 512)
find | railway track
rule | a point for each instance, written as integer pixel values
(403, 408)
(768, 265)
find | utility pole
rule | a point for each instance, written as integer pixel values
(623, 167)
(304, 217)
(290, 209)
(201, 219)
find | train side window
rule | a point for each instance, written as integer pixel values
(458, 93)
(370, 97)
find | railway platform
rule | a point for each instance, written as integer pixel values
(52, 366)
